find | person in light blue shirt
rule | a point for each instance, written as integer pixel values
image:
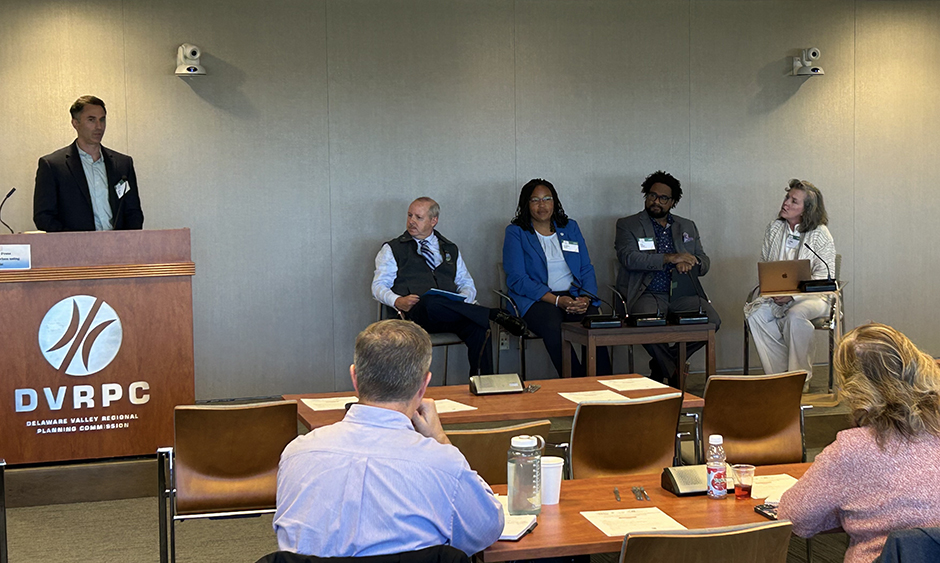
(385, 479)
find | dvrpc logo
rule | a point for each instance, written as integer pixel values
(80, 335)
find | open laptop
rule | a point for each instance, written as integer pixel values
(783, 276)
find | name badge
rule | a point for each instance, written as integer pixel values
(121, 188)
(647, 243)
(569, 246)
(792, 241)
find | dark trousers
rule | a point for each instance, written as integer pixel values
(666, 356)
(470, 322)
(544, 319)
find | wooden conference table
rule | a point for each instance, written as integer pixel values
(562, 531)
(544, 403)
(591, 338)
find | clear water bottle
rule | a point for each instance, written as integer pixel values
(715, 467)
(524, 473)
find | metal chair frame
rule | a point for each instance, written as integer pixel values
(830, 323)
(3, 512)
(167, 508)
(503, 293)
(445, 339)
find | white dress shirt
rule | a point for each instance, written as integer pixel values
(386, 270)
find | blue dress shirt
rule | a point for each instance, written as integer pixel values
(371, 485)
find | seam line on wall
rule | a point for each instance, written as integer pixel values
(329, 179)
(691, 181)
(515, 93)
(127, 132)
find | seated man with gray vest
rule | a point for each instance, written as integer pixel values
(421, 259)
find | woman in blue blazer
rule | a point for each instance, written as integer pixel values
(547, 266)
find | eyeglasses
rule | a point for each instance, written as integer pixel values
(537, 200)
(662, 199)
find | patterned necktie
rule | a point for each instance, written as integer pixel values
(426, 252)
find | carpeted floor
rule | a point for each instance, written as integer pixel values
(126, 531)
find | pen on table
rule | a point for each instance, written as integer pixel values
(617, 494)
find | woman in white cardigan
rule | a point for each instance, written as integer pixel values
(782, 327)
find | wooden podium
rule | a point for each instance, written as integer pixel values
(96, 344)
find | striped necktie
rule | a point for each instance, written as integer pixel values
(426, 252)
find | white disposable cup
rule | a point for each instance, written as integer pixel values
(552, 469)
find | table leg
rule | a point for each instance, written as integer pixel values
(710, 359)
(683, 373)
(590, 359)
(566, 347)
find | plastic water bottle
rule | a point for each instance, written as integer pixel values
(524, 474)
(715, 467)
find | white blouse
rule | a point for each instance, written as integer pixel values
(559, 274)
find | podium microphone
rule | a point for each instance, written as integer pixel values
(813, 286)
(1, 208)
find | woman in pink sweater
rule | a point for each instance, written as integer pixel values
(883, 475)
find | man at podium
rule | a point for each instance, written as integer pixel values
(85, 186)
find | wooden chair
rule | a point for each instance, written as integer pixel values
(485, 449)
(223, 464)
(625, 437)
(831, 322)
(445, 339)
(749, 543)
(759, 416)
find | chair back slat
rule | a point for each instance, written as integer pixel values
(751, 543)
(758, 416)
(624, 438)
(486, 449)
(226, 457)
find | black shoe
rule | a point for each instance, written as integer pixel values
(514, 325)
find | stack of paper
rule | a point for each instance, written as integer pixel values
(515, 526)
(633, 384)
(621, 522)
(771, 487)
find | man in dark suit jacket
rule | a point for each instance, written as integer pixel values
(654, 248)
(85, 186)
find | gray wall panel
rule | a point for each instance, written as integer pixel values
(321, 120)
(897, 120)
(420, 104)
(240, 155)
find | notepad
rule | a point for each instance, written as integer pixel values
(330, 404)
(621, 522)
(633, 384)
(771, 487)
(515, 527)
(446, 405)
(584, 396)
(448, 294)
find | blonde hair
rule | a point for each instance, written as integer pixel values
(890, 385)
